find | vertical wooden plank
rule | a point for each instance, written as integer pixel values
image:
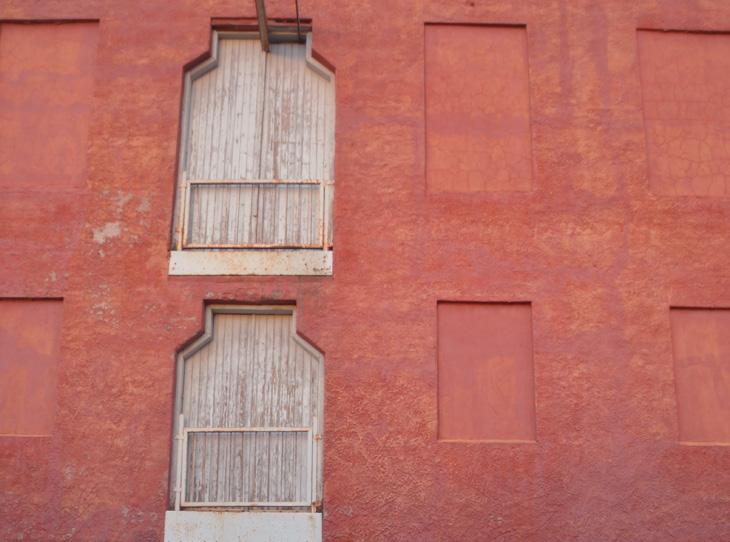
(251, 399)
(235, 377)
(222, 407)
(213, 414)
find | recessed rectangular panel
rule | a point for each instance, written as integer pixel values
(46, 86)
(685, 81)
(477, 109)
(485, 372)
(701, 341)
(29, 349)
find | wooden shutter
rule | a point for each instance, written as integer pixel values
(253, 373)
(258, 116)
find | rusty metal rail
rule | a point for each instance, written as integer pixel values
(183, 437)
(322, 223)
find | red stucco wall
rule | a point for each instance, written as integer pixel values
(600, 257)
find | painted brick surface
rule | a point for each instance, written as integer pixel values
(600, 257)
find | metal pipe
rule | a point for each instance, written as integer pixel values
(299, 27)
(257, 181)
(263, 25)
(180, 462)
(247, 429)
(256, 245)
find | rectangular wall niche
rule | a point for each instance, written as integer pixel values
(485, 372)
(701, 343)
(685, 81)
(30, 334)
(477, 109)
(46, 86)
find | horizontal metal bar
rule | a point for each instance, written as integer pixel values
(282, 28)
(248, 29)
(186, 504)
(322, 244)
(253, 245)
(260, 181)
(247, 429)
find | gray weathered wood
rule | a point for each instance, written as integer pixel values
(250, 370)
(252, 115)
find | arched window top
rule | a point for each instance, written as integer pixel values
(249, 114)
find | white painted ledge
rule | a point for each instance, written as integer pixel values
(188, 526)
(251, 262)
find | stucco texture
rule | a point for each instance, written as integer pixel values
(600, 257)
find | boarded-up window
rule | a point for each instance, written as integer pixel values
(249, 413)
(46, 84)
(485, 372)
(477, 109)
(30, 334)
(257, 149)
(701, 342)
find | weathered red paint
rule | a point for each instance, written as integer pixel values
(30, 337)
(485, 375)
(477, 108)
(701, 342)
(46, 84)
(685, 82)
(46, 100)
(598, 254)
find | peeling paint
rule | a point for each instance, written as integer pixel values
(144, 205)
(110, 230)
(121, 200)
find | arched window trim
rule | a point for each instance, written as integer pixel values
(253, 260)
(211, 63)
(201, 342)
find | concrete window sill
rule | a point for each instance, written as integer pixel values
(251, 262)
(190, 526)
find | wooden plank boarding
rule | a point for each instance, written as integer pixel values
(308, 495)
(257, 135)
(249, 409)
